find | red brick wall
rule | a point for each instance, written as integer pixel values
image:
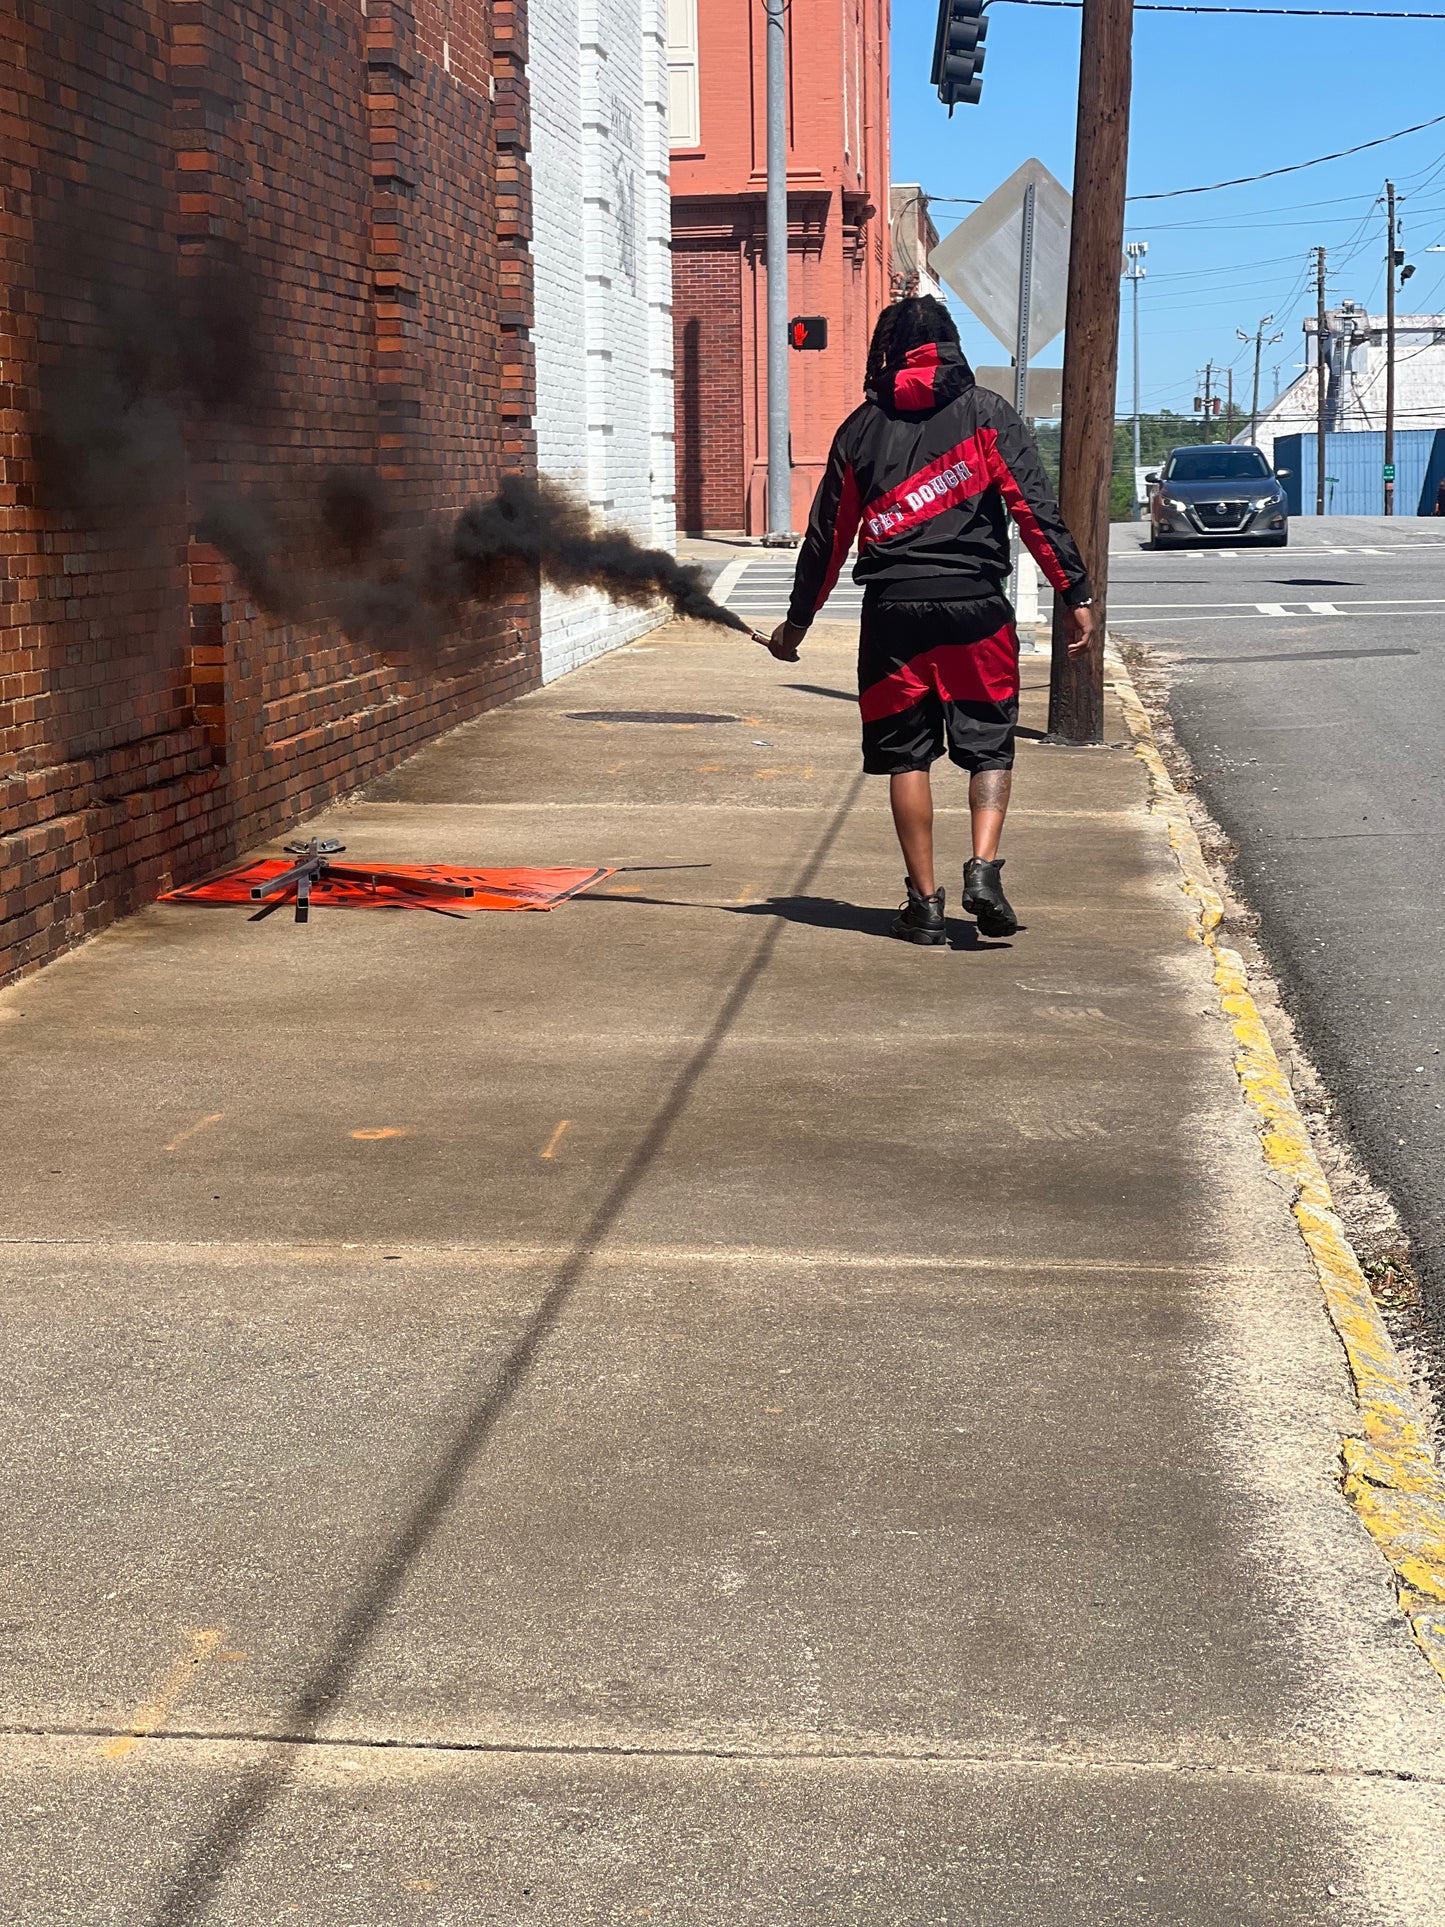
(708, 382)
(336, 204)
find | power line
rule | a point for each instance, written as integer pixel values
(1297, 13)
(1233, 224)
(1272, 173)
(1288, 207)
(1242, 180)
(1230, 267)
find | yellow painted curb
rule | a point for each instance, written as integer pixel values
(1388, 1473)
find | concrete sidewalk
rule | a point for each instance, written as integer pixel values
(683, 1409)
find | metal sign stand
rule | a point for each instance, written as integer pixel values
(1022, 579)
(314, 866)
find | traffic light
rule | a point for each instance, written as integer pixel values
(808, 331)
(958, 52)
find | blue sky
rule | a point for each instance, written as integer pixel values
(1213, 98)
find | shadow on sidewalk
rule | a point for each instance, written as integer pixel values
(830, 913)
(819, 913)
(817, 689)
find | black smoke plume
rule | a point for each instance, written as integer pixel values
(539, 522)
(173, 369)
(401, 591)
(111, 440)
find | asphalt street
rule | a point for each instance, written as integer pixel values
(1308, 686)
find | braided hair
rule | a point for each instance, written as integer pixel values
(904, 325)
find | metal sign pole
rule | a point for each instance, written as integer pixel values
(1021, 355)
(780, 477)
(1026, 292)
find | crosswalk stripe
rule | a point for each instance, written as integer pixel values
(759, 589)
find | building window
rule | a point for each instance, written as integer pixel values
(684, 119)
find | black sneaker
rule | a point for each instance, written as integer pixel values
(920, 919)
(983, 897)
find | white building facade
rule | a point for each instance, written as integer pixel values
(601, 233)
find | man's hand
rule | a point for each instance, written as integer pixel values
(1083, 631)
(783, 642)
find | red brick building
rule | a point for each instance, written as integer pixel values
(243, 241)
(837, 239)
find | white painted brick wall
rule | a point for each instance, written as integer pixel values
(603, 275)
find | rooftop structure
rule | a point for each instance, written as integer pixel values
(914, 238)
(1355, 376)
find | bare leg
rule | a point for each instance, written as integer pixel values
(988, 795)
(911, 796)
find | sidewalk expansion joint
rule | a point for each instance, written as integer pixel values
(773, 1257)
(668, 807)
(819, 1755)
(1388, 1473)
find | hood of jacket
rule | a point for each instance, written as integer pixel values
(930, 377)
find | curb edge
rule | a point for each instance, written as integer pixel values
(1387, 1474)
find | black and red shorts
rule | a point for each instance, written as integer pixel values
(935, 676)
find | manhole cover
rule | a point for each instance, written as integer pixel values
(645, 716)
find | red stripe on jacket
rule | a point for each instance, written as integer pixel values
(844, 529)
(1016, 502)
(947, 481)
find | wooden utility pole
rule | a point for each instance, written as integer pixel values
(1390, 348)
(1321, 374)
(1229, 408)
(1254, 392)
(1208, 380)
(1259, 346)
(1091, 352)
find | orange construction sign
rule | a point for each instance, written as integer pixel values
(400, 886)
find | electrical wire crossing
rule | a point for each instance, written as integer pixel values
(1293, 13)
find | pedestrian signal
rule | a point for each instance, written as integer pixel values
(808, 331)
(958, 52)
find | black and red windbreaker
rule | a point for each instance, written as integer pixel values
(925, 474)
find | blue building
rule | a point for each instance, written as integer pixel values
(1355, 470)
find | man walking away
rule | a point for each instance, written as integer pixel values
(928, 468)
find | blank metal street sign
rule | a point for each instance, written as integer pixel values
(980, 259)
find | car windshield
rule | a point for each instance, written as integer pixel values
(1216, 465)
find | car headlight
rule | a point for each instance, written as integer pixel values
(1179, 508)
(1266, 502)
